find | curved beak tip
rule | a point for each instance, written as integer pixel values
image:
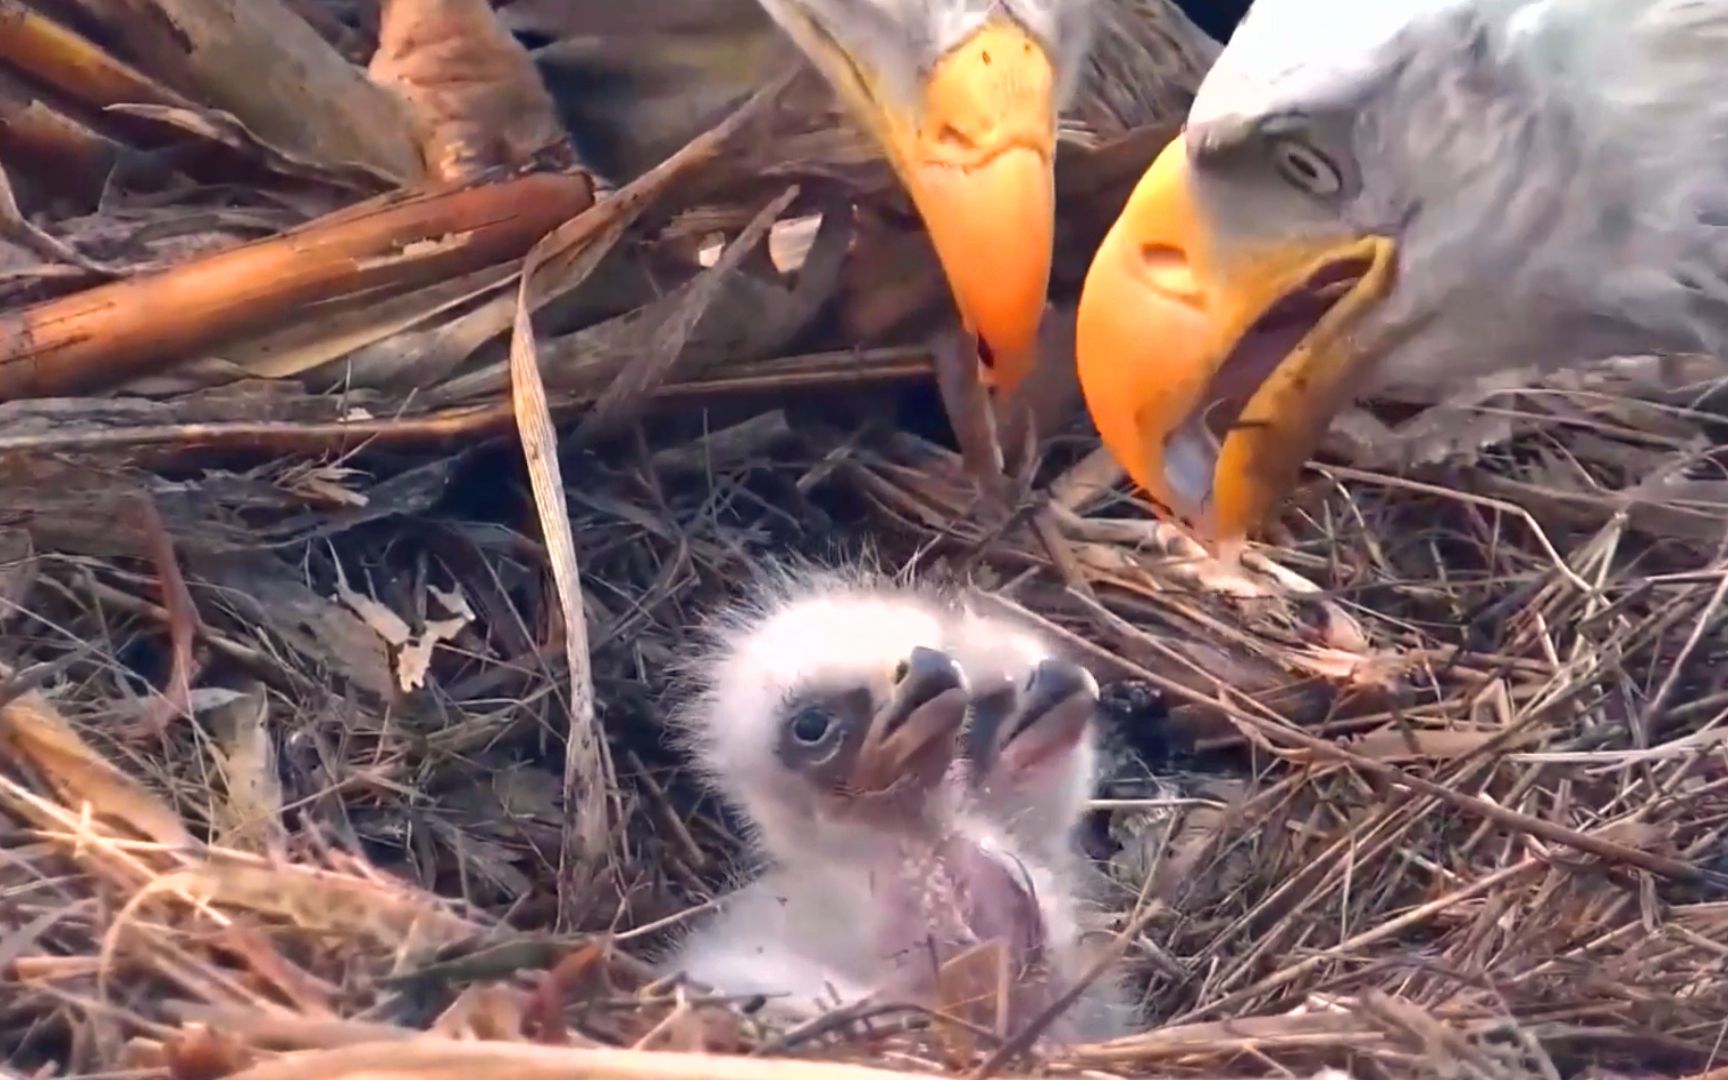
(1164, 307)
(993, 227)
(916, 733)
(977, 155)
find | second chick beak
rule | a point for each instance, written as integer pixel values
(1016, 730)
(1213, 365)
(912, 737)
(976, 153)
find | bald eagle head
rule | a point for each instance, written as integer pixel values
(963, 97)
(1406, 192)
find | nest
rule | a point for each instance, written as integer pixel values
(332, 738)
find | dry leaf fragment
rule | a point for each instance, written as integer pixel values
(974, 987)
(261, 62)
(415, 658)
(417, 655)
(32, 730)
(413, 652)
(384, 622)
(249, 817)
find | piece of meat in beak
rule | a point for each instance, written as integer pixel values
(877, 760)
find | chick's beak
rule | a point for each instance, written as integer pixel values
(976, 154)
(1179, 327)
(1015, 731)
(912, 738)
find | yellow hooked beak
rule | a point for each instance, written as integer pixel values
(1180, 327)
(976, 154)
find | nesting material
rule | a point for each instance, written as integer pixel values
(1433, 782)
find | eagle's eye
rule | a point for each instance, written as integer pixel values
(1305, 168)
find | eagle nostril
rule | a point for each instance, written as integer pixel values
(952, 137)
(1167, 269)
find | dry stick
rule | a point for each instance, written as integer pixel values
(36, 676)
(1368, 937)
(1512, 819)
(1593, 845)
(969, 410)
(402, 240)
(1670, 868)
(554, 265)
(245, 655)
(1560, 565)
(623, 398)
(1607, 849)
(1386, 829)
(54, 55)
(437, 1058)
(1046, 527)
(184, 624)
(455, 425)
(1666, 690)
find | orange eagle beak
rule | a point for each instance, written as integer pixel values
(1212, 363)
(976, 153)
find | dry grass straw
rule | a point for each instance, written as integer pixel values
(282, 743)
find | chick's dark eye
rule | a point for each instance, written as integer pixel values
(810, 724)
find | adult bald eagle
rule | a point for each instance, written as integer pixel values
(963, 96)
(1381, 193)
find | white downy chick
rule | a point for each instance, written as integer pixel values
(1031, 754)
(830, 717)
(1030, 765)
(790, 688)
